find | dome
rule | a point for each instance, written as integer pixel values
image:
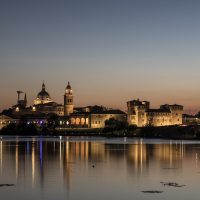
(43, 97)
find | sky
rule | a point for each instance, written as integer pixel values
(111, 51)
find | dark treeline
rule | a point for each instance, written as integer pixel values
(20, 129)
(171, 132)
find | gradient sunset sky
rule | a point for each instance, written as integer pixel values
(111, 51)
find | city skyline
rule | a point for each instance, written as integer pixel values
(31, 102)
(111, 51)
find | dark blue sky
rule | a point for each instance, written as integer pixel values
(111, 51)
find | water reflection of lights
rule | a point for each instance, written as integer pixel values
(33, 164)
(137, 155)
(60, 158)
(67, 151)
(40, 154)
(141, 154)
(1, 155)
(16, 161)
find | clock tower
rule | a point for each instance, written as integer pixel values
(68, 101)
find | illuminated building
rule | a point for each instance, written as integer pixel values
(43, 96)
(5, 121)
(68, 101)
(95, 116)
(68, 115)
(140, 114)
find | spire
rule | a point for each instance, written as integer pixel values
(43, 86)
(69, 86)
(25, 99)
(68, 89)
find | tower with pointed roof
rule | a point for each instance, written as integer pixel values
(68, 100)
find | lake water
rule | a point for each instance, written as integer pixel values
(98, 168)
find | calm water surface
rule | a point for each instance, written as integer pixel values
(98, 168)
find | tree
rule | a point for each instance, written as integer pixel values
(114, 124)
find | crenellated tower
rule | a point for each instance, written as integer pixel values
(68, 101)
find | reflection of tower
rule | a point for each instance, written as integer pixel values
(68, 101)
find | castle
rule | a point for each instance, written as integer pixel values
(138, 112)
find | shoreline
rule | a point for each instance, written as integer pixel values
(165, 132)
(168, 133)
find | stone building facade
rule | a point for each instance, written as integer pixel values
(140, 114)
(92, 117)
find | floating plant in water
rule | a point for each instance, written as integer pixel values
(172, 184)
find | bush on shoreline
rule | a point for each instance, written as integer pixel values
(171, 132)
(20, 129)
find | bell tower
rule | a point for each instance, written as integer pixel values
(68, 101)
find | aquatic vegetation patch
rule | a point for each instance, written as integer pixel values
(152, 191)
(7, 185)
(172, 184)
(169, 168)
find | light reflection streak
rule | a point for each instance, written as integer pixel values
(60, 158)
(141, 154)
(16, 161)
(171, 155)
(1, 155)
(137, 157)
(33, 164)
(41, 153)
(67, 151)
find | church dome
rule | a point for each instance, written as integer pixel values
(43, 94)
(43, 97)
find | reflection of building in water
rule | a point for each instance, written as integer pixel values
(169, 155)
(84, 150)
(81, 153)
(67, 165)
(36, 163)
(137, 157)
